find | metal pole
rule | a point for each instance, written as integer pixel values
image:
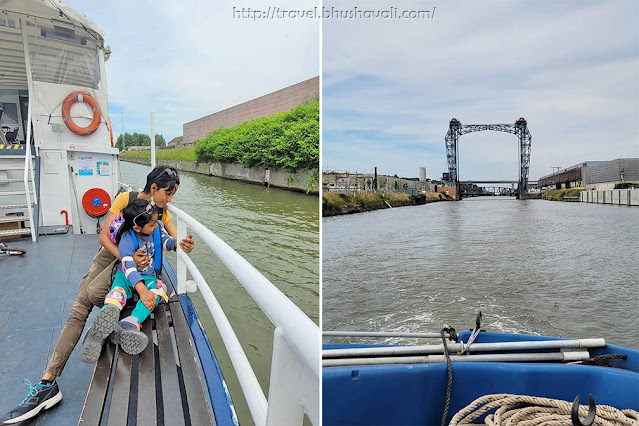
(382, 334)
(28, 165)
(457, 184)
(521, 172)
(432, 359)
(458, 347)
(181, 266)
(152, 140)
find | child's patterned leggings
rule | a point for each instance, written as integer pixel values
(122, 289)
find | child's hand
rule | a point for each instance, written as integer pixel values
(141, 259)
(187, 243)
(148, 298)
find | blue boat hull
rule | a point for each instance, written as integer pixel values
(415, 394)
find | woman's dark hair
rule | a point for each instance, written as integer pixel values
(139, 212)
(164, 177)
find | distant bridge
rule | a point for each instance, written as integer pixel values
(519, 129)
(470, 188)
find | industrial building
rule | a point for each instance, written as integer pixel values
(597, 175)
(349, 182)
(606, 175)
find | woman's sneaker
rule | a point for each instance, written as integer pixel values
(127, 334)
(40, 397)
(100, 329)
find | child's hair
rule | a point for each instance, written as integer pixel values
(164, 177)
(136, 213)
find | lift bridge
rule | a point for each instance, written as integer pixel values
(519, 128)
(509, 188)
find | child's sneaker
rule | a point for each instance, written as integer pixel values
(127, 334)
(40, 397)
(100, 329)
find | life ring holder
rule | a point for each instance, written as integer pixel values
(81, 96)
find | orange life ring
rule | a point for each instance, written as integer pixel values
(81, 96)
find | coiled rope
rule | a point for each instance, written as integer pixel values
(523, 410)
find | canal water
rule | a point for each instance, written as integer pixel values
(535, 266)
(275, 230)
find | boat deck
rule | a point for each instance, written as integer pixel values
(162, 385)
(38, 291)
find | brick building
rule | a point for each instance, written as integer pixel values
(279, 101)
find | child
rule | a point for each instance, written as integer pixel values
(140, 231)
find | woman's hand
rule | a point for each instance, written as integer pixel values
(141, 259)
(187, 243)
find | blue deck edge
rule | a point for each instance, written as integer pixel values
(414, 394)
(219, 395)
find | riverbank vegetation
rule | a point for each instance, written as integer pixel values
(627, 185)
(138, 139)
(560, 194)
(288, 140)
(334, 204)
(178, 154)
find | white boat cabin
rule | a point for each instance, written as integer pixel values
(50, 52)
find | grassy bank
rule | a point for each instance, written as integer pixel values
(178, 154)
(559, 194)
(334, 204)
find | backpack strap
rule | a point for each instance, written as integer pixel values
(136, 244)
(133, 195)
(157, 243)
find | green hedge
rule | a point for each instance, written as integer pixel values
(180, 154)
(287, 140)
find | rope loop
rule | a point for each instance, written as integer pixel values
(524, 410)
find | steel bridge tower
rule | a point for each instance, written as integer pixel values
(520, 128)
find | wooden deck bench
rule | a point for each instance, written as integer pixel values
(163, 385)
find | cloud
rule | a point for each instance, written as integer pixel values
(184, 60)
(568, 68)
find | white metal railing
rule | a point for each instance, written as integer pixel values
(295, 365)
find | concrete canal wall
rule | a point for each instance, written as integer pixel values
(279, 178)
(621, 197)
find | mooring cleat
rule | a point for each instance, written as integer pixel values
(100, 329)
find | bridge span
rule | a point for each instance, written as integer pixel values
(519, 129)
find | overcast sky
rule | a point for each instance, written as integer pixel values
(190, 58)
(390, 87)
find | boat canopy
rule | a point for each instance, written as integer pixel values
(62, 44)
(52, 9)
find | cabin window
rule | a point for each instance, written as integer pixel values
(9, 114)
(64, 56)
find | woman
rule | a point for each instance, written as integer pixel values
(161, 185)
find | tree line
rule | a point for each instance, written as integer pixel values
(138, 139)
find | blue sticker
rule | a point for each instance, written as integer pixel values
(96, 202)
